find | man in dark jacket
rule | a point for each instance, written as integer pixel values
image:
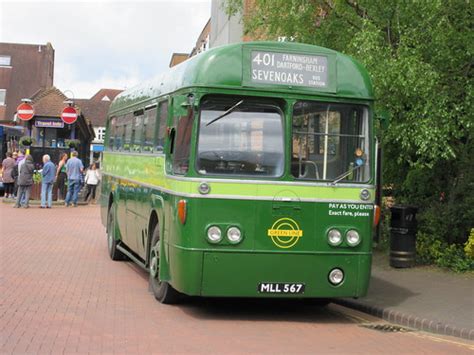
(25, 181)
(47, 180)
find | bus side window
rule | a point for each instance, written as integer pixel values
(111, 132)
(160, 142)
(182, 143)
(119, 133)
(137, 131)
(127, 134)
(149, 123)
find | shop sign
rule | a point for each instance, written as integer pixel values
(49, 124)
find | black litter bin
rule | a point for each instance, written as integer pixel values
(403, 228)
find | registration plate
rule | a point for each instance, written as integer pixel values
(291, 288)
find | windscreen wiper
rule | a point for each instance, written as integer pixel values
(347, 173)
(229, 111)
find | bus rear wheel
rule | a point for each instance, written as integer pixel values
(114, 253)
(162, 290)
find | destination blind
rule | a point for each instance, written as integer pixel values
(289, 69)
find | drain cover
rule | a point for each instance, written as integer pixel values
(387, 328)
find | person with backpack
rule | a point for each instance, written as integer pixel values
(25, 181)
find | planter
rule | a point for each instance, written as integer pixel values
(35, 192)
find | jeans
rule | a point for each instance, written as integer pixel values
(46, 194)
(23, 196)
(72, 191)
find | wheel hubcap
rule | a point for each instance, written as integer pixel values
(154, 262)
(111, 235)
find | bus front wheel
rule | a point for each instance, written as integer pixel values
(162, 290)
(114, 253)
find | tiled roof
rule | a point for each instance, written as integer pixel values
(49, 102)
(110, 93)
(95, 111)
(177, 58)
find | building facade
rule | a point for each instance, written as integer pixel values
(224, 29)
(50, 135)
(95, 110)
(24, 70)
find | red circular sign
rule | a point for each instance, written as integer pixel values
(25, 111)
(69, 115)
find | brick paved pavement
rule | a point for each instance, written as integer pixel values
(60, 293)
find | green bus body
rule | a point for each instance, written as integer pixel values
(284, 220)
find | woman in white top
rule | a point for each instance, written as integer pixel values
(92, 180)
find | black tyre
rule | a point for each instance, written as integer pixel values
(318, 302)
(114, 253)
(162, 290)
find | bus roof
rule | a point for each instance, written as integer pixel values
(285, 67)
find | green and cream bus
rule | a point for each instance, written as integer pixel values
(246, 171)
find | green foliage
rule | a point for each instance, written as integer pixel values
(431, 250)
(419, 54)
(26, 141)
(73, 143)
(37, 177)
(469, 246)
(384, 237)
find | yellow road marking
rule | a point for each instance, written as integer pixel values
(415, 332)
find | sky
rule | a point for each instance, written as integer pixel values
(105, 43)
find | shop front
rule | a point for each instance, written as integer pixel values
(50, 134)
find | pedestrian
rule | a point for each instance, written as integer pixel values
(61, 176)
(74, 169)
(8, 181)
(92, 179)
(25, 181)
(47, 181)
(16, 171)
(15, 174)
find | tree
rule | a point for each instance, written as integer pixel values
(420, 57)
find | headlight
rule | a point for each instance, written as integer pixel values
(364, 194)
(234, 235)
(334, 237)
(214, 234)
(336, 276)
(352, 238)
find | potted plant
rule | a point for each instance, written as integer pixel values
(26, 141)
(73, 143)
(35, 193)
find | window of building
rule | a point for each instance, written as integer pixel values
(3, 94)
(101, 134)
(5, 60)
